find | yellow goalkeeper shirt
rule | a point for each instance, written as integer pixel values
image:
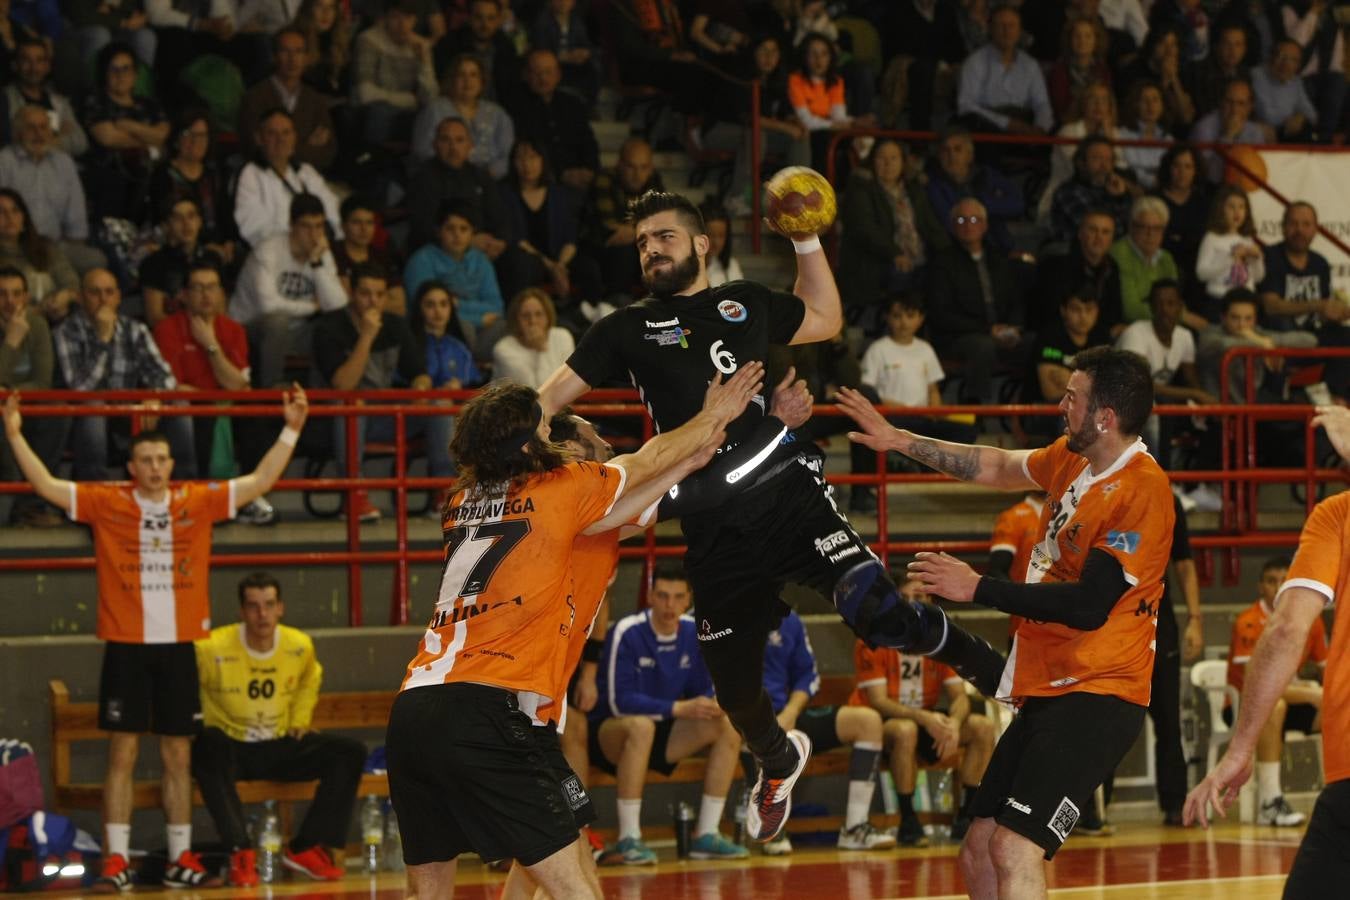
(254, 696)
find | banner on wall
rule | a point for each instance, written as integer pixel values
(1319, 178)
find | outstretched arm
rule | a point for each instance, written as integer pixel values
(561, 388)
(247, 488)
(989, 466)
(50, 488)
(815, 285)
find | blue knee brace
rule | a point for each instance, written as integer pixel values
(869, 602)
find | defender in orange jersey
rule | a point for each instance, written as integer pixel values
(152, 551)
(465, 771)
(1318, 576)
(1082, 660)
(1016, 531)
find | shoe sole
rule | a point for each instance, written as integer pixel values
(695, 854)
(803, 745)
(296, 867)
(104, 887)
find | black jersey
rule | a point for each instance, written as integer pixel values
(671, 348)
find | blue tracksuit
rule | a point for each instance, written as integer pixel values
(643, 675)
(789, 663)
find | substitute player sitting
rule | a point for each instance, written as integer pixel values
(152, 551)
(1082, 662)
(905, 690)
(656, 708)
(1298, 709)
(466, 771)
(260, 681)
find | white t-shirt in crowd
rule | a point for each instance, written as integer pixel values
(1163, 361)
(901, 373)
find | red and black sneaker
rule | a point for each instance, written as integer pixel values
(243, 868)
(314, 862)
(115, 876)
(597, 845)
(187, 871)
(771, 800)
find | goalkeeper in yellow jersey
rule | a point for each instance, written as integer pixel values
(259, 683)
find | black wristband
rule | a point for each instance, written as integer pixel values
(592, 651)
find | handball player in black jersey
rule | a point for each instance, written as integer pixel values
(777, 522)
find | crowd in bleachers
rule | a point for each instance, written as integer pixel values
(444, 152)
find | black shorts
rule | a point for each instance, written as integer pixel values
(821, 725)
(926, 748)
(150, 688)
(1050, 760)
(466, 773)
(1322, 867)
(1297, 717)
(656, 760)
(583, 810)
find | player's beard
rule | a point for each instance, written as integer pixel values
(1084, 437)
(673, 280)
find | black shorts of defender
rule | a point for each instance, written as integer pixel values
(1322, 867)
(466, 774)
(583, 810)
(1051, 759)
(150, 688)
(1297, 717)
(656, 759)
(821, 725)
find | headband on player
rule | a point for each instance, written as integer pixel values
(514, 443)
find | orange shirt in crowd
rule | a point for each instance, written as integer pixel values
(910, 680)
(1247, 630)
(1016, 531)
(818, 97)
(153, 560)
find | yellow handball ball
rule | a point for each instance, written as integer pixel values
(799, 201)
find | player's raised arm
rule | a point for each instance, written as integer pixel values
(989, 466)
(561, 388)
(247, 488)
(816, 286)
(50, 488)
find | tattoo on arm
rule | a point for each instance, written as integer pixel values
(951, 459)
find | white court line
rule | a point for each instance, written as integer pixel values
(1153, 885)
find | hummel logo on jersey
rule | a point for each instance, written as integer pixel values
(666, 324)
(646, 662)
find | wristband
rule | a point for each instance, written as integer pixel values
(810, 245)
(289, 436)
(592, 651)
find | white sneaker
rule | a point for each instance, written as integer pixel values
(779, 846)
(1207, 499)
(1278, 812)
(257, 512)
(864, 837)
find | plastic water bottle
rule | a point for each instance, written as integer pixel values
(942, 800)
(738, 814)
(393, 841)
(372, 833)
(269, 843)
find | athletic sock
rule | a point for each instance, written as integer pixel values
(1268, 780)
(710, 815)
(862, 770)
(906, 805)
(180, 840)
(630, 819)
(118, 840)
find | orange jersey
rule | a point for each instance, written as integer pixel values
(910, 680)
(1016, 531)
(595, 557)
(153, 559)
(1322, 564)
(1125, 511)
(504, 612)
(1247, 630)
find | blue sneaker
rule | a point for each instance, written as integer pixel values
(716, 846)
(630, 851)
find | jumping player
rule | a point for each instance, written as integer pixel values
(1082, 661)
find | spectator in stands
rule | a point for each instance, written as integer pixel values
(359, 222)
(1088, 266)
(164, 273)
(47, 179)
(1159, 61)
(190, 171)
(1096, 184)
(1057, 345)
(26, 364)
(98, 349)
(791, 680)
(1237, 328)
(656, 707)
(99, 24)
(365, 347)
(923, 47)
(316, 136)
(268, 184)
(1296, 291)
(533, 345)
(719, 32)
(1187, 197)
(1094, 113)
(250, 734)
(465, 271)
(976, 303)
(1229, 254)
(560, 28)
(1142, 258)
(1297, 709)
(1282, 103)
(555, 121)
(287, 280)
(1002, 88)
(149, 680)
(545, 221)
(1189, 20)
(722, 264)
(484, 37)
(906, 690)
(956, 175)
(1144, 121)
(651, 49)
(1231, 123)
(186, 32)
(610, 238)
(889, 232)
(901, 369)
(1081, 64)
(52, 281)
(816, 92)
(450, 176)
(392, 74)
(1321, 41)
(127, 134)
(32, 87)
(327, 27)
(450, 362)
(1210, 77)
(489, 126)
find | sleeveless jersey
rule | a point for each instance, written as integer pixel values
(254, 696)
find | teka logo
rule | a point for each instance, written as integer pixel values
(826, 545)
(705, 632)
